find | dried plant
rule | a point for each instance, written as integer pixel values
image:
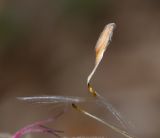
(101, 46)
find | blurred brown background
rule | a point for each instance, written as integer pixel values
(46, 48)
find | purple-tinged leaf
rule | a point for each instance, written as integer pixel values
(37, 127)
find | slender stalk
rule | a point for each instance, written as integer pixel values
(124, 133)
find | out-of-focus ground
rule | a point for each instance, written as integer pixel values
(46, 48)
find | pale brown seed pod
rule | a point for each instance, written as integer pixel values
(101, 46)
